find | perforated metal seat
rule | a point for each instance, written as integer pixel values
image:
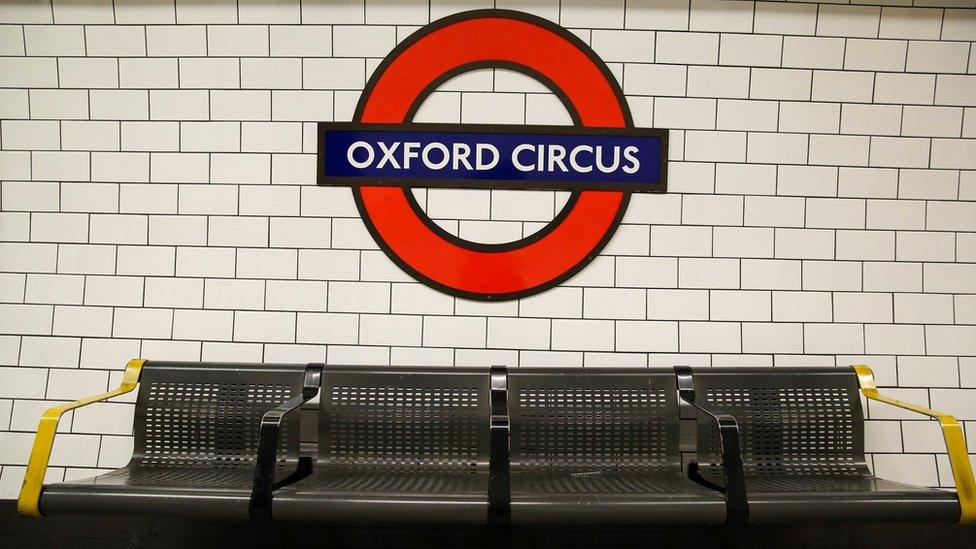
(397, 444)
(600, 446)
(802, 438)
(196, 432)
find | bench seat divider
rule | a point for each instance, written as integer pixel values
(499, 464)
(735, 488)
(270, 439)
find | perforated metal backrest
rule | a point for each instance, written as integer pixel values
(405, 417)
(209, 414)
(572, 418)
(793, 421)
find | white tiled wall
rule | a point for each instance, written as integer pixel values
(158, 200)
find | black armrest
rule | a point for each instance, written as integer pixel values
(270, 438)
(736, 501)
(499, 490)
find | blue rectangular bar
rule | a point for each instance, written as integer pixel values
(516, 157)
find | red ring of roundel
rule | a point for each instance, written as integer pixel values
(456, 44)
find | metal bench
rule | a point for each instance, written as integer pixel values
(196, 432)
(473, 445)
(802, 448)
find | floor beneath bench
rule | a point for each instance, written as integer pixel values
(110, 532)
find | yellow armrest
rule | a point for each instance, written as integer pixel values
(30, 492)
(955, 440)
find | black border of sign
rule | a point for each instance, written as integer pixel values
(465, 183)
(577, 124)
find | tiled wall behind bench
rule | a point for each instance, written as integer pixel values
(158, 199)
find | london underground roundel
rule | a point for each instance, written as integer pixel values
(601, 158)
